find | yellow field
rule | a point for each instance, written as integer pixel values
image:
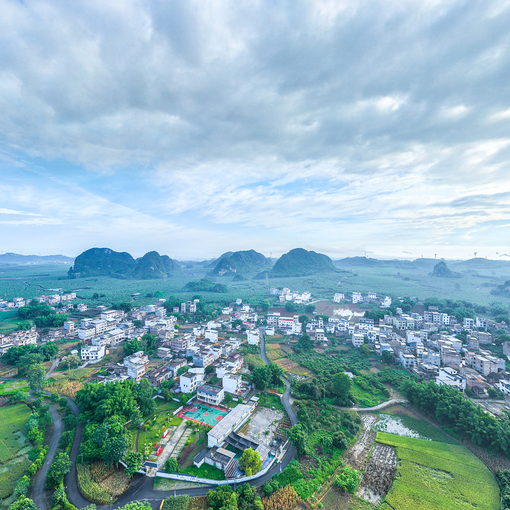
(292, 367)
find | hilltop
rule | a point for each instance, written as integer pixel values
(107, 262)
(441, 270)
(240, 262)
(301, 262)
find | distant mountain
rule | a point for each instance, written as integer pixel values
(301, 262)
(15, 259)
(441, 270)
(107, 262)
(102, 262)
(240, 262)
(359, 261)
(214, 262)
(153, 265)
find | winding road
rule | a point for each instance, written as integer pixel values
(38, 492)
(141, 487)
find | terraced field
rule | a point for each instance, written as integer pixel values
(435, 476)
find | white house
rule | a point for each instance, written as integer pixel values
(358, 339)
(450, 377)
(210, 394)
(92, 352)
(253, 336)
(211, 334)
(189, 381)
(231, 383)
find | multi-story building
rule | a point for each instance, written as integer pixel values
(92, 352)
(210, 394)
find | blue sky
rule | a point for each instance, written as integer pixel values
(192, 128)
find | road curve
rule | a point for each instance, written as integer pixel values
(384, 405)
(141, 487)
(39, 481)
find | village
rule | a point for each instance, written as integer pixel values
(202, 366)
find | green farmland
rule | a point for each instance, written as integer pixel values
(14, 446)
(389, 277)
(432, 475)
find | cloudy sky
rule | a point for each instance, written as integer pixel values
(192, 127)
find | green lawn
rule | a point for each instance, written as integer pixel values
(435, 476)
(13, 446)
(204, 471)
(365, 397)
(270, 400)
(154, 428)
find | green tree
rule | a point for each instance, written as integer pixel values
(137, 505)
(60, 466)
(114, 449)
(177, 503)
(304, 343)
(150, 343)
(348, 480)
(297, 435)
(250, 461)
(172, 466)
(36, 376)
(133, 462)
(23, 503)
(132, 346)
(341, 387)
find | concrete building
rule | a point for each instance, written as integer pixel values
(210, 394)
(234, 420)
(92, 352)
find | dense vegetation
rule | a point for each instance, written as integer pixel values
(106, 408)
(107, 262)
(459, 414)
(240, 262)
(300, 262)
(243, 497)
(42, 315)
(321, 436)
(205, 285)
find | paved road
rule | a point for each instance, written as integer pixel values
(38, 493)
(141, 488)
(384, 405)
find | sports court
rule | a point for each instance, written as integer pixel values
(203, 414)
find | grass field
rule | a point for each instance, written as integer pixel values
(270, 400)
(13, 446)
(205, 471)
(367, 398)
(435, 476)
(8, 321)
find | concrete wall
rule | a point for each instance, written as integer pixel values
(230, 481)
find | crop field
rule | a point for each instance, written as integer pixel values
(69, 382)
(392, 278)
(13, 446)
(292, 367)
(435, 476)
